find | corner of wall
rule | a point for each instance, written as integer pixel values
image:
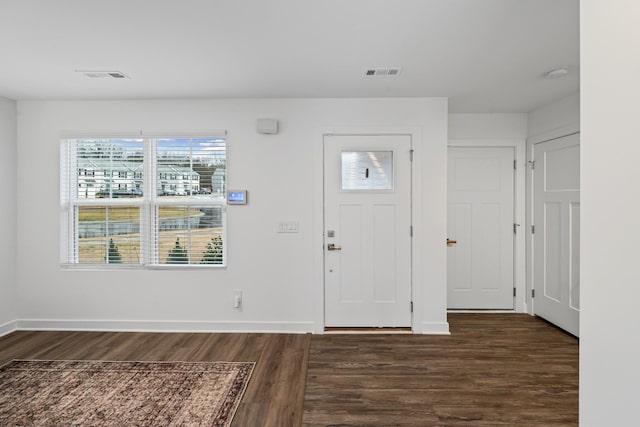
(7, 328)
(8, 214)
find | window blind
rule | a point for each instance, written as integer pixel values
(143, 201)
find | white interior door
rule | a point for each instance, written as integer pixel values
(480, 215)
(556, 238)
(367, 185)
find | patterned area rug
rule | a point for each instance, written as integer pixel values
(96, 393)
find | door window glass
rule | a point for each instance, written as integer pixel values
(367, 170)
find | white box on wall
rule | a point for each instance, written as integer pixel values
(268, 126)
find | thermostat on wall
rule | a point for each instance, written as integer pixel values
(237, 197)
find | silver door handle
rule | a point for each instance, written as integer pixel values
(333, 247)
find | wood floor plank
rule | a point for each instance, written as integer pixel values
(494, 370)
(274, 396)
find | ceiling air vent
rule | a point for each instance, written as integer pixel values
(103, 74)
(382, 72)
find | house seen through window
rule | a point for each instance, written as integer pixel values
(143, 201)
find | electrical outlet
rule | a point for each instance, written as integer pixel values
(237, 299)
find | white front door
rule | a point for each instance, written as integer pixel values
(480, 217)
(367, 201)
(556, 238)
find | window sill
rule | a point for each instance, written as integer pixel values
(124, 267)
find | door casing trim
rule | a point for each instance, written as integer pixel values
(520, 248)
(415, 136)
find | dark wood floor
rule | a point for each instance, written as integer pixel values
(275, 393)
(495, 369)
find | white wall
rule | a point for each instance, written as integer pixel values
(280, 274)
(556, 119)
(485, 126)
(8, 215)
(610, 231)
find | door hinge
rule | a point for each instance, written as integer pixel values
(532, 163)
(411, 306)
(515, 165)
(514, 291)
(533, 229)
(411, 231)
(533, 293)
(515, 228)
(411, 155)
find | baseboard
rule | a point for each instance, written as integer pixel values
(481, 311)
(164, 326)
(8, 327)
(434, 328)
(427, 328)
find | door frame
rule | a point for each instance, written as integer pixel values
(318, 296)
(401, 159)
(519, 200)
(512, 151)
(558, 133)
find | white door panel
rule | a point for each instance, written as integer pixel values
(367, 217)
(480, 218)
(556, 273)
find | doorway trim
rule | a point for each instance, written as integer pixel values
(318, 296)
(519, 248)
(570, 129)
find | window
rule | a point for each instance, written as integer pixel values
(367, 170)
(137, 211)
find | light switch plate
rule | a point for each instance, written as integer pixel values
(288, 227)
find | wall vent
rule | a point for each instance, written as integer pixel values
(382, 72)
(103, 74)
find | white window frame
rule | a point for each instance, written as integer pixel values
(148, 204)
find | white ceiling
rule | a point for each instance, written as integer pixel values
(485, 55)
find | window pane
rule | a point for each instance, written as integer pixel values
(180, 203)
(190, 167)
(190, 235)
(367, 170)
(108, 235)
(109, 168)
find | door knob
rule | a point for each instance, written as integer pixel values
(333, 247)
(451, 242)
